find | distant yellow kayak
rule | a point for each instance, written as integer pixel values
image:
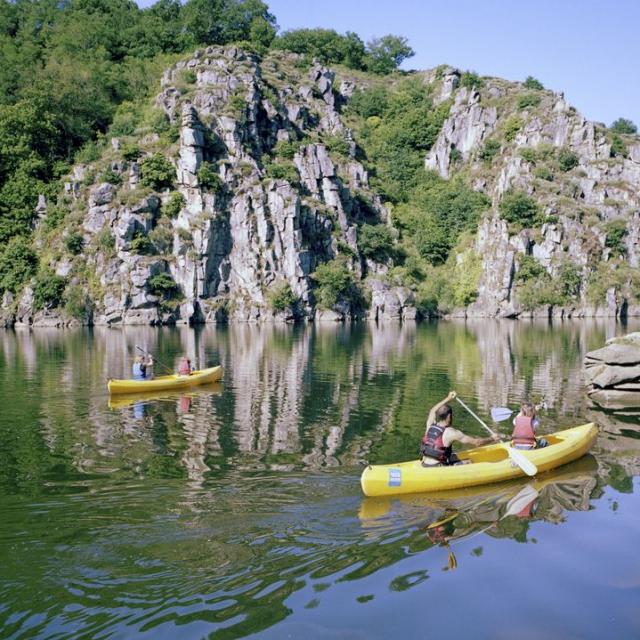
(122, 400)
(491, 463)
(166, 383)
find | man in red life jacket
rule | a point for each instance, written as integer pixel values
(437, 444)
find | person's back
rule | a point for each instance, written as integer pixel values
(139, 369)
(525, 425)
(184, 368)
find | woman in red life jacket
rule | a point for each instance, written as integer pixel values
(436, 447)
(184, 368)
(524, 429)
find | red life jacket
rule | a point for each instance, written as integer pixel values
(523, 432)
(432, 444)
(185, 368)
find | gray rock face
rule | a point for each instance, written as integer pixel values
(613, 372)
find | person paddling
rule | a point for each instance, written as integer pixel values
(525, 425)
(142, 369)
(184, 368)
(436, 447)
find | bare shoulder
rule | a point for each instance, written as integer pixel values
(451, 435)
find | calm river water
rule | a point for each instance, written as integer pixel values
(235, 510)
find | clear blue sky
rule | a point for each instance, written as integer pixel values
(589, 49)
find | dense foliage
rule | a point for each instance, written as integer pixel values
(622, 125)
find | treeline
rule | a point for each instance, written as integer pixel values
(68, 64)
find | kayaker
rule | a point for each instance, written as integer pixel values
(184, 368)
(436, 447)
(142, 369)
(525, 425)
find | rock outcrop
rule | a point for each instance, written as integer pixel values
(613, 373)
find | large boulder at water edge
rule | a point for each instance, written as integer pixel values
(613, 372)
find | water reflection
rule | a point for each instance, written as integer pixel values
(235, 509)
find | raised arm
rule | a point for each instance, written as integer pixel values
(432, 414)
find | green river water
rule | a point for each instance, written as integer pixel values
(235, 510)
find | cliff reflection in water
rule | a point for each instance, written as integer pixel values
(305, 397)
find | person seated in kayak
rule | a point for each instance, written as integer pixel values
(142, 369)
(436, 447)
(184, 368)
(525, 425)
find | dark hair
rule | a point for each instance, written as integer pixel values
(443, 412)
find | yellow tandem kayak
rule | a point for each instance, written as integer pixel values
(166, 383)
(490, 463)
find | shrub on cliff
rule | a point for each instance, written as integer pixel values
(533, 83)
(511, 127)
(517, 208)
(209, 178)
(74, 243)
(616, 231)
(334, 283)
(376, 242)
(528, 100)
(490, 150)
(618, 147)
(470, 80)
(162, 285)
(174, 205)
(369, 102)
(157, 172)
(281, 298)
(622, 125)
(48, 290)
(567, 159)
(18, 263)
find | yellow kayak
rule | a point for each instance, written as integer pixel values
(490, 463)
(166, 383)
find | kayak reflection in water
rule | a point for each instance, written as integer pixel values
(436, 447)
(142, 369)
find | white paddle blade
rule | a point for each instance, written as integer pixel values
(524, 497)
(522, 461)
(498, 414)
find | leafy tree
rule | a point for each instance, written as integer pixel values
(386, 54)
(511, 127)
(157, 172)
(618, 147)
(567, 159)
(375, 242)
(518, 208)
(48, 290)
(163, 285)
(470, 79)
(622, 125)
(281, 297)
(174, 205)
(334, 283)
(616, 231)
(528, 100)
(18, 263)
(533, 83)
(209, 178)
(369, 102)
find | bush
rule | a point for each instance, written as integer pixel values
(189, 76)
(105, 239)
(334, 283)
(386, 54)
(533, 83)
(613, 274)
(511, 127)
(209, 178)
(111, 176)
(74, 243)
(162, 238)
(528, 154)
(48, 290)
(282, 171)
(516, 207)
(616, 231)
(543, 173)
(76, 302)
(369, 102)
(337, 144)
(567, 159)
(141, 245)
(618, 147)
(174, 205)
(466, 278)
(131, 152)
(455, 155)
(528, 100)
(18, 263)
(490, 150)
(622, 125)
(157, 172)
(375, 242)
(470, 79)
(281, 297)
(529, 269)
(285, 149)
(162, 285)
(569, 281)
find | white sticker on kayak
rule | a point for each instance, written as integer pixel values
(395, 477)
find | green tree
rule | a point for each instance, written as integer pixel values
(376, 242)
(386, 54)
(18, 263)
(622, 125)
(518, 208)
(533, 83)
(157, 172)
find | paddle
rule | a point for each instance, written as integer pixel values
(171, 371)
(518, 458)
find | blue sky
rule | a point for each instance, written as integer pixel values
(589, 49)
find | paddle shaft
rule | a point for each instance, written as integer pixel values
(162, 364)
(493, 433)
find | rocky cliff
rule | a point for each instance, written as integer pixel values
(223, 201)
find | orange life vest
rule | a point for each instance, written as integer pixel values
(523, 432)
